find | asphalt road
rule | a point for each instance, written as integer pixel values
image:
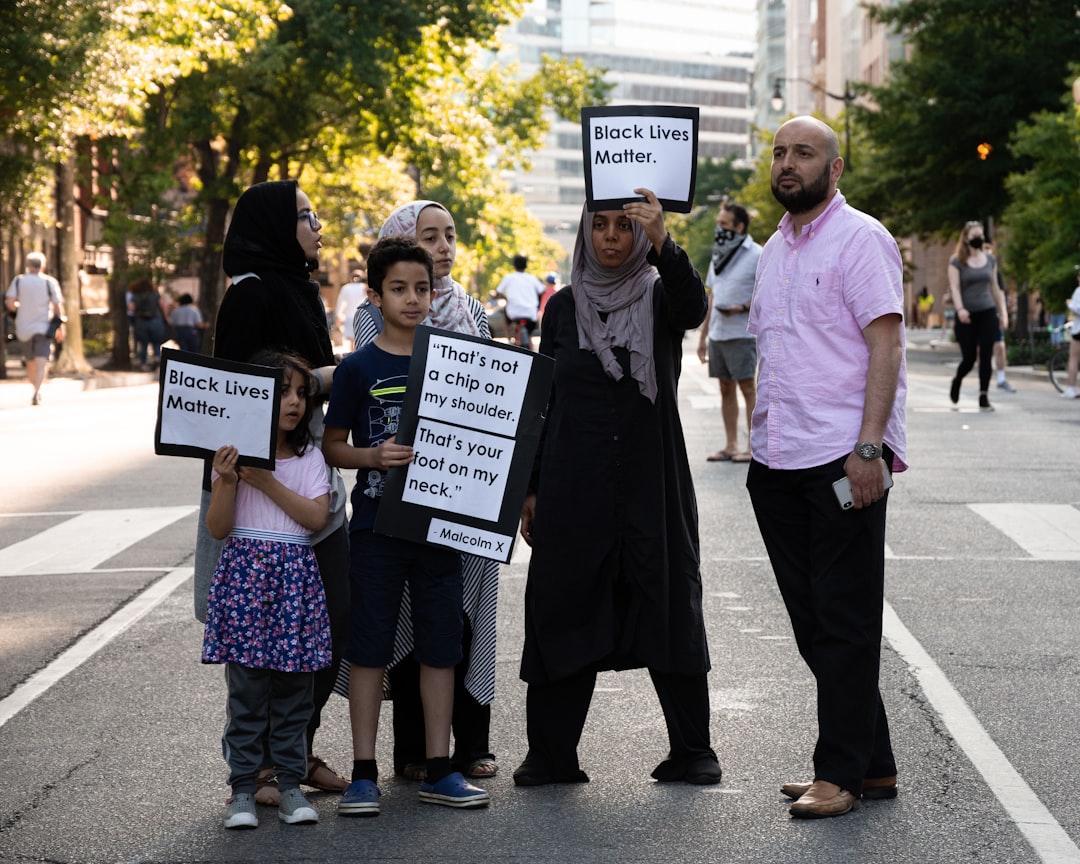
(112, 753)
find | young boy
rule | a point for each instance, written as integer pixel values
(369, 388)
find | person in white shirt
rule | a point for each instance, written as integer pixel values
(35, 299)
(351, 295)
(522, 293)
(1074, 343)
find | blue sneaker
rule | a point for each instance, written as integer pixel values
(361, 798)
(454, 791)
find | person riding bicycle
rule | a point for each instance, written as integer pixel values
(522, 293)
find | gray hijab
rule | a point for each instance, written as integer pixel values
(625, 294)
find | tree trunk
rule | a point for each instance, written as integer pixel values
(71, 359)
(210, 274)
(118, 315)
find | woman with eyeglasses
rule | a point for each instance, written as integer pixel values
(980, 309)
(271, 248)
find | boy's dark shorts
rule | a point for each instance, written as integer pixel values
(378, 571)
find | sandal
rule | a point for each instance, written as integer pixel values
(485, 767)
(322, 777)
(742, 457)
(416, 771)
(722, 456)
(266, 789)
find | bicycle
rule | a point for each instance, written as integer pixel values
(1057, 365)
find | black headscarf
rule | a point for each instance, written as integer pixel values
(281, 309)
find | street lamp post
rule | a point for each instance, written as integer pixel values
(847, 98)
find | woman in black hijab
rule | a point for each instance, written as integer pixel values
(271, 247)
(614, 580)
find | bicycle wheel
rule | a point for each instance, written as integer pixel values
(1056, 367)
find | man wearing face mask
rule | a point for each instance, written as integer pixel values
(725, 345)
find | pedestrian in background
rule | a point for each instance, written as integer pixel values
(266, 614)
(1074, 343)
(150, 314)
(522, 292)
(614, 581)
(270, 249)
(432, 227)
(724, 343)
(829, 303)
(187, 322)
(980, 309)
(36, 300)
(351, 295)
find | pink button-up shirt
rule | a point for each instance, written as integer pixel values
(813, 296)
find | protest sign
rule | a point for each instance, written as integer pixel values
(627, 147)
(473, 413)
(206, 402)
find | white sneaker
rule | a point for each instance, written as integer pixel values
(1068, 393)
(295, 809)
(240, 812)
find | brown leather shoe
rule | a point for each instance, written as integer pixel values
(823, 799)
(874, 788)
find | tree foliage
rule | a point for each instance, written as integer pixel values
(1042, 244)
(717, 180)
(977, 69)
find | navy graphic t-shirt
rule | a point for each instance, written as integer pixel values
(369, 389)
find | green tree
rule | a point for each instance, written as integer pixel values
(977, 69)
(1042, 242)
(717, 180)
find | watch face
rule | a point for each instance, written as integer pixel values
(869, 451)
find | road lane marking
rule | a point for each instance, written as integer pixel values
(1046, 836)
(1045, 531)
(79, 544)
(91, 643)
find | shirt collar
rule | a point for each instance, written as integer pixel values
(787, 224)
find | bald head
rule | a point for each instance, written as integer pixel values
(817, 132)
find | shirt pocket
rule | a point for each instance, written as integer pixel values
(818, 297)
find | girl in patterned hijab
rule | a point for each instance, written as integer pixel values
(432, 227)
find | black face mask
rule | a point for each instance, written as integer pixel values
(975, 242)
(725, 242)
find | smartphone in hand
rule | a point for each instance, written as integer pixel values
(842, 487)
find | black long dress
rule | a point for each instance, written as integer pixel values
(614, 580)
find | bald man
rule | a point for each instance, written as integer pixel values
(828, 315)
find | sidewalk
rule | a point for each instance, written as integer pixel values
(15, 390)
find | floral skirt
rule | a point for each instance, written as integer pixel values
(266, 608)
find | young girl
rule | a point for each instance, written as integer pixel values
(266, 612)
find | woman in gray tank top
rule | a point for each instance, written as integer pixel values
(980, 309)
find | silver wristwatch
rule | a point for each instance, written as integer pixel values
(868, 451)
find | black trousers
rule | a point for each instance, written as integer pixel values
(555, 713)
(830, 568)
(978, 338)
(470, 722)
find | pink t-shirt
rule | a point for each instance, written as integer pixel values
(305, 475)
(813, 296)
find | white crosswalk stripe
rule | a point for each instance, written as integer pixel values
(1050, 532)
(83, 542)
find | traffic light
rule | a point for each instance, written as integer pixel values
(984, 150)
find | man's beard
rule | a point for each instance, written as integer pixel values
(804, 198)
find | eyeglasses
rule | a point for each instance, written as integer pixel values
(312, 219)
